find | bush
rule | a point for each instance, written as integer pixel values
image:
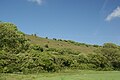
(54, 39)
(37, 47)
(46, 46)
(11, 39)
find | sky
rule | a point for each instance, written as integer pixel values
(85, 21)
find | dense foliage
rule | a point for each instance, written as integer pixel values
(12, 40)
(17, 54)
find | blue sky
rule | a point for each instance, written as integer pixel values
(86, 21)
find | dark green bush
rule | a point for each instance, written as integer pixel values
(37, 47)
(46, 46)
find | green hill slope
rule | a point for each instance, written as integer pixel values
(21, 53)
(61, 44)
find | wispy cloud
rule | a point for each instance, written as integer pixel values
(39, 2)
(104, 6)
(114, 14)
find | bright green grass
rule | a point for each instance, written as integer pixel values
(71, 75)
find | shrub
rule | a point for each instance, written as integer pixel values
(11, 39)
(46, 46)
(54, 39)
(37, 47)
(46, 37)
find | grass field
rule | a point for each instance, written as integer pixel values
(69, 75)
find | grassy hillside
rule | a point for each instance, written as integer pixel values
(64, 44)
(21, 53)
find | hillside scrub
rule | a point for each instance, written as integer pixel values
(11, 39)
(19, 55)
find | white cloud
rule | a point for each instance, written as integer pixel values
(39, 2)
(114, 14)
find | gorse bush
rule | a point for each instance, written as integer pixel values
(11, 39)
(37, 48)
